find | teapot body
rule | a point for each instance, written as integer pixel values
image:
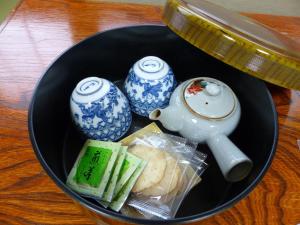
(194, 126)
(207, 110)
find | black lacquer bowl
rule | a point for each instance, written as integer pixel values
(110, 55)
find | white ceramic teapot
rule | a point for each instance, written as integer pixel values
(207, 110)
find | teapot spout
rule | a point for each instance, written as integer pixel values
(168, 117)
(155, 114)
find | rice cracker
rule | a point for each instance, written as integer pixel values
(169, 181)
(155, 169)
(180, 187)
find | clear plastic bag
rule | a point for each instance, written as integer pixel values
(174, 168)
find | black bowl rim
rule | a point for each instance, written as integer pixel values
(114, 215)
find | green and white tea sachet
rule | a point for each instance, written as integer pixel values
(123, 194)
(91, 171)
(109, 190)
(129, 166)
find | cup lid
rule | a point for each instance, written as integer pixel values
(209, 98)
(236, 40)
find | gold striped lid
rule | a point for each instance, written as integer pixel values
(236, 40)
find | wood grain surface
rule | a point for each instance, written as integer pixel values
(33, 36)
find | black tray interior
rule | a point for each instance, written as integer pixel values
(110, 55)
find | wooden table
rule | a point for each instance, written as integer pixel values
(34, 35)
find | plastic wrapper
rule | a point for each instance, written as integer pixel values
(174, 167)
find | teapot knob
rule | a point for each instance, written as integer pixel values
(213, 89)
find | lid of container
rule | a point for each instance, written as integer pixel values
(236, 40)
(209, 98)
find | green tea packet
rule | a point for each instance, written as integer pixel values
(103, 203)
(91, 171)
(130, 164)
(109, 190)
(123, 194)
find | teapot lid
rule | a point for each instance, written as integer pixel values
(236, 40)
(209, 98)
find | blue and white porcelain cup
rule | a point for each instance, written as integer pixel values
(149, 85)
(100, 109)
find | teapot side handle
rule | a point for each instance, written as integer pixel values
(234, 164)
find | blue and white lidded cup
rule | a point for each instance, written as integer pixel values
(149, 85)
(100, 110)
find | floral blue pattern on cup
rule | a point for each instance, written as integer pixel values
(100, 109)
(149, 85)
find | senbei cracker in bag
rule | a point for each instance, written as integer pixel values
(134, 212)
(169, 180)
(162, 195)
(91, 171)
(155, 169)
